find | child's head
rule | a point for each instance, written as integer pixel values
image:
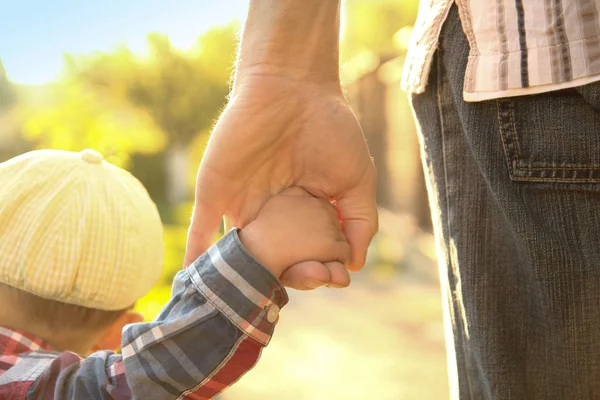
(80, 243)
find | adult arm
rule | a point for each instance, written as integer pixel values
(287, 124)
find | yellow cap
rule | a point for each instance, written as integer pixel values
(76, 229)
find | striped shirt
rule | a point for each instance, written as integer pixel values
(221, 314)
(517, 47)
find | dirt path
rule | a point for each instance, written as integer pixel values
(381, 342)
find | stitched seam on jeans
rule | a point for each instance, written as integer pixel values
(513, 131)
(548, 168)
(452, 287)
(503, 134)
(560, 168)
(540, 179)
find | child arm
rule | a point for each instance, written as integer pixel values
(221, 314)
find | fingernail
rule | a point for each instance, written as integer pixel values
(335, 286)
(314, 283)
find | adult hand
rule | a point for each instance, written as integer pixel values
(278, 132)
(288, 124)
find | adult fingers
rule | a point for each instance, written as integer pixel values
(206, 217)
(358, 211)
(202, 232)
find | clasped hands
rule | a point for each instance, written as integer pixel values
(282, 151)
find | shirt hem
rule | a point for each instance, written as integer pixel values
(494, 95)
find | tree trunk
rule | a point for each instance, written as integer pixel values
(177, 164)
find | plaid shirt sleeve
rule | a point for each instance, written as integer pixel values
(221, 314)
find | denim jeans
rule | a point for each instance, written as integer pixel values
(514, 188)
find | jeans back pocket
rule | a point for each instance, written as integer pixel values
(553, 136)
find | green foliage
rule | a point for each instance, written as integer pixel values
(79, 119)
(120, 103)
(175, 240)
(181, 91)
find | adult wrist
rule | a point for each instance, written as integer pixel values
(291, 38)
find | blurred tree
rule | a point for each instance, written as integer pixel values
(12, 142)
(182, 92)
(370, 25)
(376, 33)
(121, 103)
(79, 119)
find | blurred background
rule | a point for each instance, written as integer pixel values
(143, 82)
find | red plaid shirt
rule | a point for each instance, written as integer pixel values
(16, 345)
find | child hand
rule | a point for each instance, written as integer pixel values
(295, 227)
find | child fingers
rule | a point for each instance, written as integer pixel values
(307, 275)
(339, 275)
